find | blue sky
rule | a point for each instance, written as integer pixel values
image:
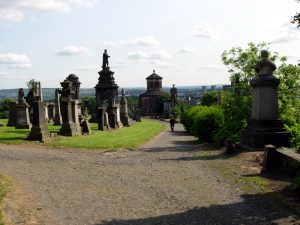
(182, 40)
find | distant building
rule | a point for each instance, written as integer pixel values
(151, 102)
(213, 87)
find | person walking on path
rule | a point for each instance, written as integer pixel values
(172, 123)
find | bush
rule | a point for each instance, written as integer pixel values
(203, 121)
(4, 107)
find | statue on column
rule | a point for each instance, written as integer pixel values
(105, 59)
(265, 67)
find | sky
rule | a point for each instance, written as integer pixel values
(182, 40)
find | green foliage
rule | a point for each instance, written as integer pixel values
(90, 103)
(4, 107)
(132, 101)
(179, 109)
(203, 121)
(210, 98)
(237, 110)
(296, 19)
(32, 85)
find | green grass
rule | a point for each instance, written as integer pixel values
(4, 186)
(10, 135)
(127, 137)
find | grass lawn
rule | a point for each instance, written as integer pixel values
(127, 137)
(4, 186)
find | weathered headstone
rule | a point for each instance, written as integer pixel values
(22, 112)
(12, 119)
(57, 115)
(103, 123)
(46, 113)
(39, 130)
(86, 129)
(124, 110)
(68, 127)
(51, 111)
(75, 115)
(265, 127)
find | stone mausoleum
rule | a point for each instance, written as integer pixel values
(151, 102)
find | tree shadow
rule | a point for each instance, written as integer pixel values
(262, 209)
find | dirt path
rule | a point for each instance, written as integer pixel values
(149, 186)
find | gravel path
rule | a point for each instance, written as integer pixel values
(148, 186)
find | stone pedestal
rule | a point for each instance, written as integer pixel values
(265, 127)
(39, 130)
(68, 127)
(103, 123)
(22, 114)
(12, 120)
(116, 110)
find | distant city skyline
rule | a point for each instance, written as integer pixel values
(47, 40)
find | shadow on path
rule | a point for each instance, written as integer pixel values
(255, 209)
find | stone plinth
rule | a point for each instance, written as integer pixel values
(265, 127)
(22, 114)
(75, 116)
(68, 127)
(57, 115)
(39, 130)
(12, 120)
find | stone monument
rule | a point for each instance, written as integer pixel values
(68, 127)
(124, 110)
(51, 111)
(265, 127)
(12, 119)
(106, 96)
(22, 112)
(57, 115)
(39, 130)
(173, 91)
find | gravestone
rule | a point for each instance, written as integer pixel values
(75, 115)
(39, 130)
(137, 115)
(265, 127)
(12, 119)
(22, 112)
(86, 129)
(124, 110)
(1, 124)
(46, 113)
(51, 111)
(103, 123)
(68, 127)
(57, 115)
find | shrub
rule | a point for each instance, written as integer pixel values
(207, 122)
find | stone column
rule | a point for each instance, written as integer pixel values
(39, 130)
(265, 127)
(124, 110)
(75, 116)
(57, 115)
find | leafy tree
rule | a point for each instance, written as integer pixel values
(296, 19)
(4, 107)
(210, 98)
(132, 101)
(32, 85)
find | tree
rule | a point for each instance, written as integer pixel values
(32, 85)
(4, 107)
(296, 19)
(210, 98)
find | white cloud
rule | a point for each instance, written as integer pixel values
(13, 60)
(187, 50)
(205, 31)
(9, 15)
(164, 65)
(144, 41)
(88, 68)
(286, 33)
(73, 50)
(14, 10)
(140, 55)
